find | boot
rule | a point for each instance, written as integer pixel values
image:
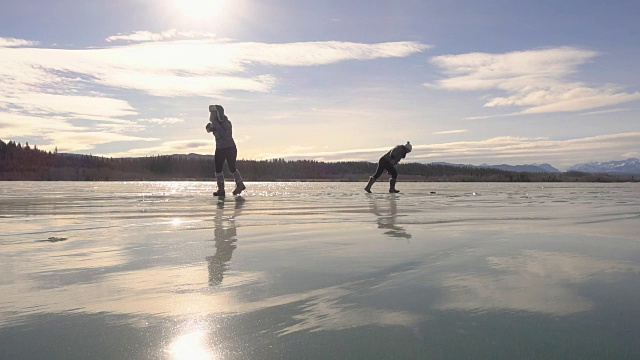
(369, 185)
(239, 188)
(239, 184)
(220, 192)
(392, 186)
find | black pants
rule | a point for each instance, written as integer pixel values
(227, 154)
(383, 165)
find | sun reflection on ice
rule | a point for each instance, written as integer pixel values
(191, 346)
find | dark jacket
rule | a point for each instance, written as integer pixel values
(396, 154)
(222, 130)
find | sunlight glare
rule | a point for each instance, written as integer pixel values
(191, 346)
(199, 9)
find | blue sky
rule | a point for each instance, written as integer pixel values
(465, 81)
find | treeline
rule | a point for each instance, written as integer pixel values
(18, 162)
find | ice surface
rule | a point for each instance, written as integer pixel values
(319, 270)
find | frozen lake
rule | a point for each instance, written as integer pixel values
(161, 270)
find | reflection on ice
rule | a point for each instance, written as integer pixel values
(224, 236)
(312, 263)
(330, 311)
(536, 281)
(387, 214)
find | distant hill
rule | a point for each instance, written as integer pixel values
(546, 167)
(629, 166)
(533, 168)
(18, 162)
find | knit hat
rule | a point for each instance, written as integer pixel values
(218, 111)
(216, 108)
(408, 146)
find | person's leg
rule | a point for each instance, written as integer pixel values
(219, 159)
(381, 166)
(232, 156)
(369, 184)
(394, 178)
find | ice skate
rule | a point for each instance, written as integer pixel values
(392, 186)
(370, 184)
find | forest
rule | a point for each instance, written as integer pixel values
(26, 163)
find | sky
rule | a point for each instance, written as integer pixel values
(465, 81)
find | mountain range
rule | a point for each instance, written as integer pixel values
(536, 168)
(629, 166)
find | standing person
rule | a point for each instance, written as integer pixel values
(386, 162)
(226, 150)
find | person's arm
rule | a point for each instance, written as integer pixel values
(216, 126)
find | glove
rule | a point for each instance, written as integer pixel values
(209, 127)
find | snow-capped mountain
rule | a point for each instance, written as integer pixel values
(524, 168)
(517, 168)
(629, 166)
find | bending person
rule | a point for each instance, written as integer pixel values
(226, 150)
(387, 162)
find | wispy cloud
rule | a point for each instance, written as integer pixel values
(342, 155)
(163, 121)
(176, 68)
(169, 148)
(537, 81)
(561, 153)
(608, 111)
(73, 106)
(59, 132)
(89, 85)
(142, 36)
(13, 42)
(450, 132)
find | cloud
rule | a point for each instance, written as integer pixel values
(169, 148)
(539, 81)
(60, 133)
(176, 68)
(561, 153)
(78, 141)
(328, 52)
(608, 111)
(19, 125)
(87, 85)
(341, 155)
(73, 106)
(450, 132)
(163, 121)
(142, 36)
(13, 42)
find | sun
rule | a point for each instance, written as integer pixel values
(199, 9)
